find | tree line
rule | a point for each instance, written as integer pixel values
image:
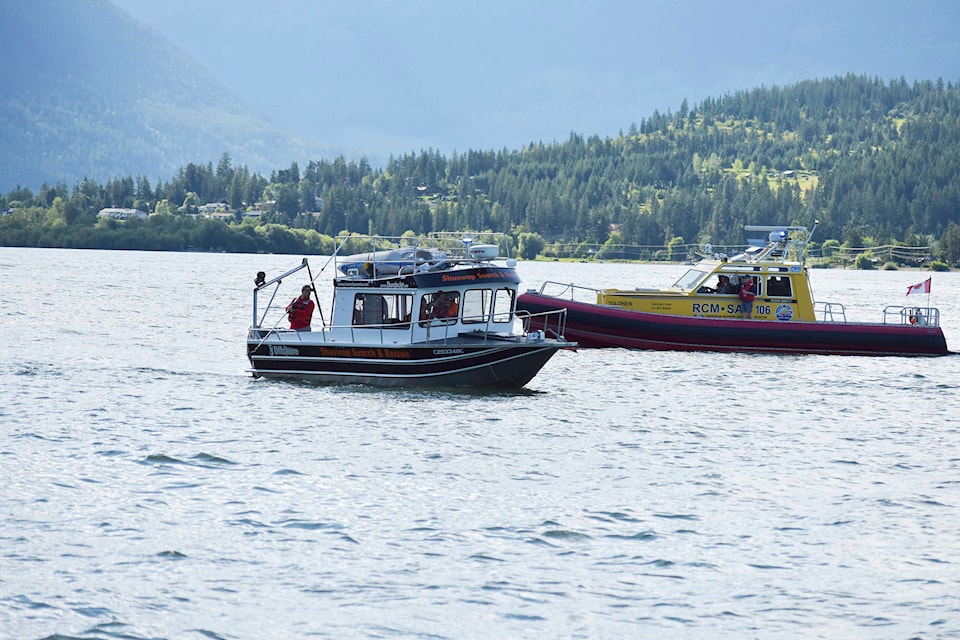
(877, 163)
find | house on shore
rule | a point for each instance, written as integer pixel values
(122, 214)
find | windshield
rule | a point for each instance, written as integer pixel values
(690, 279)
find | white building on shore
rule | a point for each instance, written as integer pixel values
(122, 214)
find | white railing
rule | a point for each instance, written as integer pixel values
(568, 291)
(829, 312)
(919, 316)
(549, 323)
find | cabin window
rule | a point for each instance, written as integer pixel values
(442, 306)
(390, 311)
(503, 305)
(690, 279)
(779, 287)
(484, 305)
(476, 305)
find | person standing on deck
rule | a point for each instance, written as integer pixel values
(300, 310)
(748, 292)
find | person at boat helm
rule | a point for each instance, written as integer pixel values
(723, 285)
(443, 305)
(300, 310)
(748, 291)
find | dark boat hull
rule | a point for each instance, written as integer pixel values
(593, 325)
(492, 364)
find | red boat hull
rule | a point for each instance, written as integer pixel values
(593, 325)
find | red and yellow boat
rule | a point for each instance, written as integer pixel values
(699, 313)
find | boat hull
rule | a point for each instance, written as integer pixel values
(599, 326)
(490, 364)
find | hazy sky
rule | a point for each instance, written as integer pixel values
(381, 77)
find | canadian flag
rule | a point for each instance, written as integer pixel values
(920, 287)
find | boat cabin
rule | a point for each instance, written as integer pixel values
(710, 288)
(414, 308)
(405, 296)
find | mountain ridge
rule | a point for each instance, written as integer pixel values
(91, 92)
(384, 78)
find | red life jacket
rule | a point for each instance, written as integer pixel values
(299, 312)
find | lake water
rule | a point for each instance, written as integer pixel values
(153, 489)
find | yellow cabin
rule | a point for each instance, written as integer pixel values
(709, 289)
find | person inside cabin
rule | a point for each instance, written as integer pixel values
(445, 305)
(300, 310)
(723, 285)
(748, 291)
(730, 287)
(442, 305)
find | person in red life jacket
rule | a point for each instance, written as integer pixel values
(748, 292)
(300, 310)
(446, 305)
(441, 305)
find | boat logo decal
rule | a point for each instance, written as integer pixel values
(487, 274)
(375, 353)
(283, 350)
(784, 312)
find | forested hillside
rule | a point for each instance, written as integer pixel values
(876, 162)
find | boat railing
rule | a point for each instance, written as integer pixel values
(893, 314)
(918, 316)
(261, 284)
(544, 324)
(484, 327)
(829, 312)
(436, 329)
(369, 256)
(533, 326)
(568, 291)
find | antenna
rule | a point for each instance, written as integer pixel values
(803, 251)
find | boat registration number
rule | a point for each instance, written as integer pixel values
(784, 312)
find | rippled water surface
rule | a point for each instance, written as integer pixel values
(153, 489)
